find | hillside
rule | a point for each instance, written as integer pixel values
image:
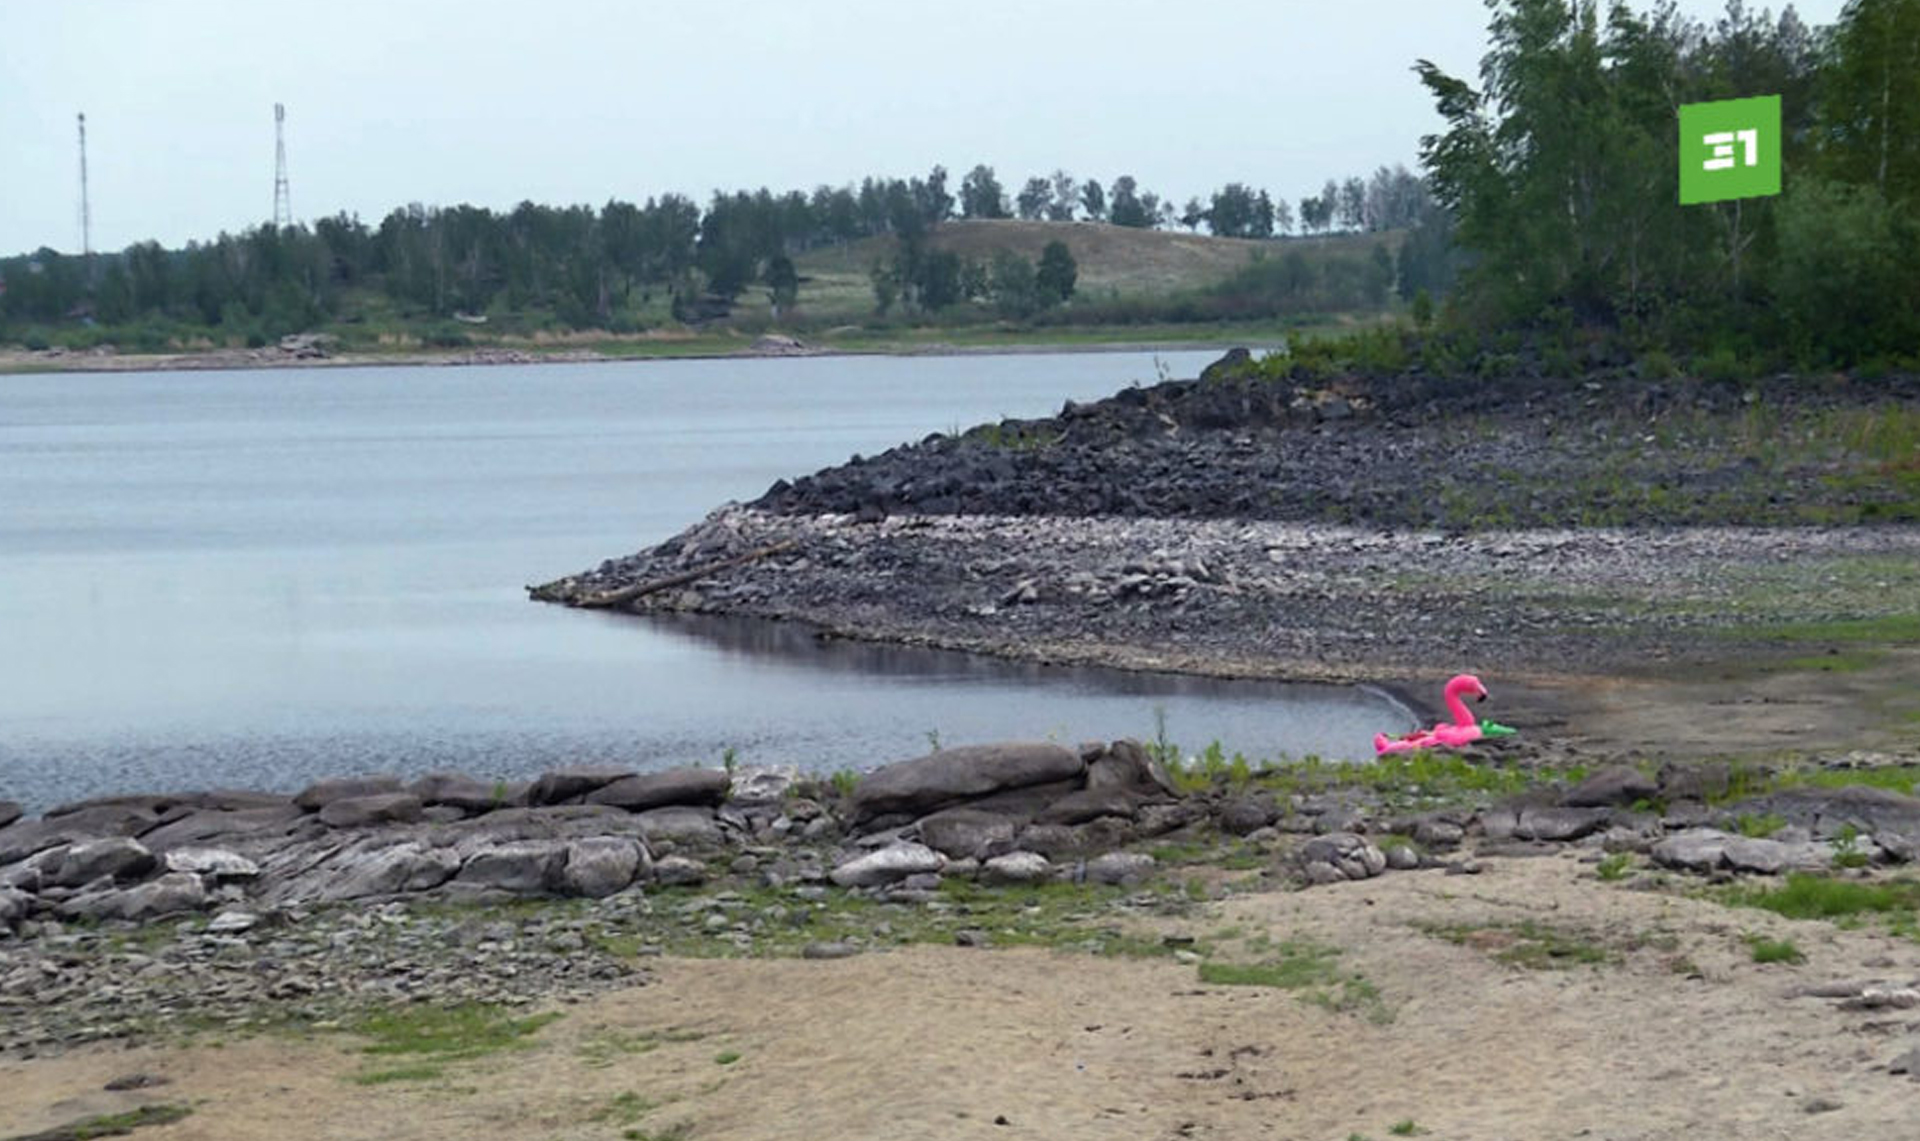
(1111, 259)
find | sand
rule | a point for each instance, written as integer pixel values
(1681, 1036)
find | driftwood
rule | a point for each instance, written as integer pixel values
(607, 599)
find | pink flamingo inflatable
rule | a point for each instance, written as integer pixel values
(1463, 730)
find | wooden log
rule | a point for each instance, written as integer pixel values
(608, 599)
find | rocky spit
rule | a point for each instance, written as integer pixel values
(133, 916)
(1254, 527)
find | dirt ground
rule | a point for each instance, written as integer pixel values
(1682, 1036)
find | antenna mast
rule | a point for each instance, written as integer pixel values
(282, 198)
(86, 218)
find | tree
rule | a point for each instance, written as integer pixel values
(1066, 197)
(1353, 203)
(981, 196)
(1013, 288)
(783, 284)
(937, 281)
(1282, 217)
(1094, 200)
(1870, 120)
(1193, 214)
(1054, 280)
(1033, 199)
(1129, 208)
(1235, 212)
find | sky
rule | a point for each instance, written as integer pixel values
(581, 101)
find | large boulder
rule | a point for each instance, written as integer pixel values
(25, 837)
(15, 905)
(210, 826)
(684, 824)
(598, 866)
(888, 865)
(366, 811)
(458, 790)
(1339, 856)
(656, 790)
(1016, 868)
(121, 857)
(950, 776)
(10, 811)
(1824, 812)
(563, 785)
(322, 793)
(964, 833)
(1091, 804)
(1547, 823)
(1614, 785)
(210, 863)
(169, 894)
(1129, 765)
(396, 869)
(524, 867)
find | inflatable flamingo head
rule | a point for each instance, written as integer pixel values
(1465, 685)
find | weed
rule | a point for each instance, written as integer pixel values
(726, 1057)
(1846, 848)
(1773, 950)
(1614, 867)
(601, 1050)
(114, 1124)
(844, 781)
(933, 740)
(1405, 1128)
(678, 1131)
(1297, 964)
(1759, 827)
(624, 1109)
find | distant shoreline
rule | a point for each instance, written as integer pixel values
(29, 361)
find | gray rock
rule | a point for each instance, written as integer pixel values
(1091, 804)
(1016, 867)
(365, 811)
(888, 865)
(1120, 867)
(679, 871)
(1050, 840)
(25, 837)
(1350, 855)
(1401, 857)
(392, 870)
(15, 905)
(117, 856)
(1701, 781)
(829, 951)
(682, 824)
(458, 790)
(562, 785)
(656, 790)
(221, 826)
(762, 784)
(10, 811)
(1750, 854)
(1694, 850)
(1619, 785)
(232, 922)
(1539, 823)
(322, 793)
(153, 805)
(1887, 815)
(940, 779)
(1907, 1063)
(1127, 764)
(1247, 814)
(169, 894)
(963, 832)
(1157, 819)
(523, 867)
(601, 865)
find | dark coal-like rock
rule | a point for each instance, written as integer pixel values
(655, 790)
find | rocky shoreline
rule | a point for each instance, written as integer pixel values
(132, 916)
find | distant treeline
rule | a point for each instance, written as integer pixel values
(1560, 173)
(592, 269)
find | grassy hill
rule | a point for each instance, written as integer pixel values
(1115, 262)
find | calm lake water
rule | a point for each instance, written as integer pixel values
(256, 579)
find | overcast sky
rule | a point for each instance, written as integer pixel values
(579, 101)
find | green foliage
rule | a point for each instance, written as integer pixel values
(1759, 826)
(1807, 896)
(1054, 280)
(1530, 945)
(1766, 950)
(1614, 867)
(726, 1057)
(1306, 966)
(439, 1035)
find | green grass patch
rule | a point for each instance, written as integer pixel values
(112, 1124)
(1614, 867)
(439, 1035)
(1301, 965)
(726, 1057)
(1531, 945)
(1766, 950)
(624, 1109)
(605, 1048)
(1808, 896)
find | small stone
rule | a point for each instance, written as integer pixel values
(679, 871)
(232, 922)
(829, 951)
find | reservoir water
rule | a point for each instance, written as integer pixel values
(258, 578)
